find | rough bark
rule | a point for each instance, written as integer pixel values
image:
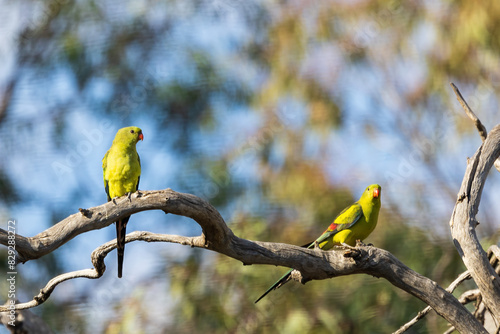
(463, 222)
(216, 236)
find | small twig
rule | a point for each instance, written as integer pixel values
(480, 311)
(494, 256)
(420, 315)
(470, 296)
(450, 330)
(480, 127)
(462, 277)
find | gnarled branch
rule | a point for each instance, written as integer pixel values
(101, 216)
(461, 278)
(466, 297)
(463, 222)
(216, 236)
(463, 219)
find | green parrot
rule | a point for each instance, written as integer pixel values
(355, 222)
(121, 168)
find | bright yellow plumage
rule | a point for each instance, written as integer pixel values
(122, 171)
(121, 168)
(355, 222)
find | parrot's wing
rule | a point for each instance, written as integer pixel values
(346, 219)
(139, 178)
(104, 166)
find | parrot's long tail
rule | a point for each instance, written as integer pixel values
(285, 278)
(121, 227)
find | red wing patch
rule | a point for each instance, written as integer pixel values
(349, 216)
(332, 227)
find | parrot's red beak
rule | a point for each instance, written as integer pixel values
(141, 136)
(376, 193)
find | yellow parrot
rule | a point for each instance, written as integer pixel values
(355, 222)
(121, 168)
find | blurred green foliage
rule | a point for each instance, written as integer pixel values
(291, 53)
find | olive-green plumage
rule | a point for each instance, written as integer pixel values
(121, 168)
(355, 222)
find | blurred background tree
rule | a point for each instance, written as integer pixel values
(278, 113)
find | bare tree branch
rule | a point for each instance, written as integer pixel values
(475, 295)
(466, 297)
(461, 278)
(450, 330)
(101, 216)
(25, 322)
(494, 256)
(463, 222)
(479, 126)
(216, 236)
(97, 257)
(469, 296)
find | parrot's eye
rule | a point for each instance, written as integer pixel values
(131, 131)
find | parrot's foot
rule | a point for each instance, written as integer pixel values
(353, 253)
(128, 196)
(344, 245)
(350, 251)
(139, 194)
(114, 200)
(359, 243)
